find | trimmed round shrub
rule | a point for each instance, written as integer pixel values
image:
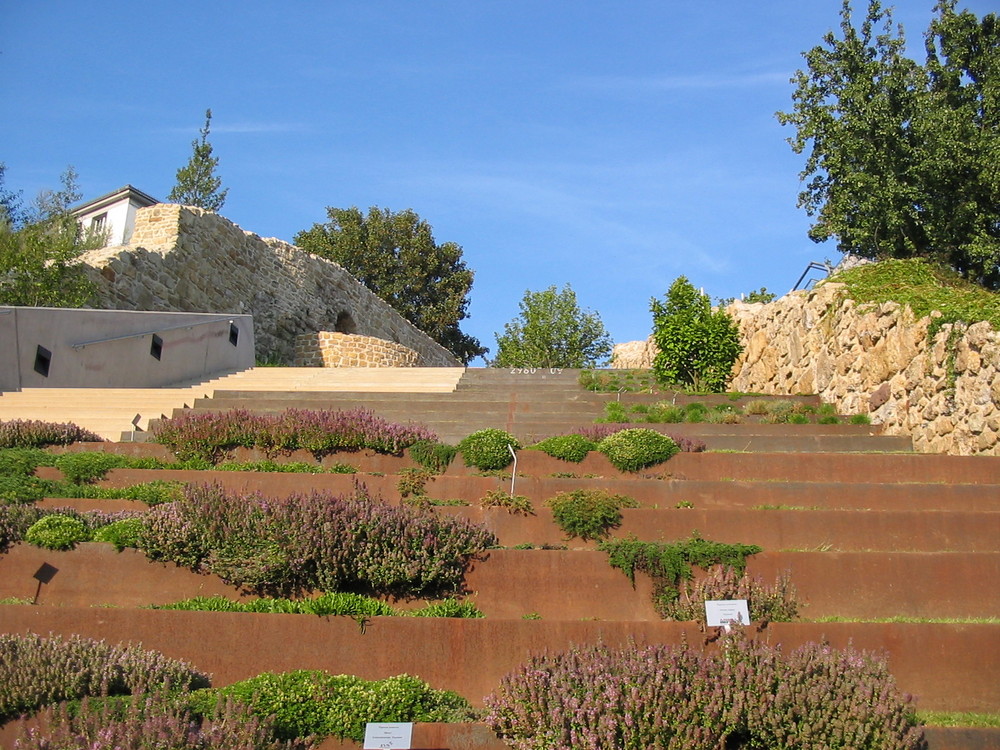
(589, 514)
(57, 532)
(307, 702)
(567, 447)
(488, 449)
(634, 449)
(124, 533)
(746, 694)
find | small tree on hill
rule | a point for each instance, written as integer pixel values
(197, 183)
(697, 345)
(552, 331)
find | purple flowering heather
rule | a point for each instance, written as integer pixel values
(33, 433)
(746, 695)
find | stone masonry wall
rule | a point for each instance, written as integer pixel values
(332, 349)
(876, 360)
(182, 258)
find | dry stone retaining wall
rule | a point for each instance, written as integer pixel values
(332, 349)
(870, 359)
(182, 258)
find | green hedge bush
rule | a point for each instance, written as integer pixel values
(57, 532)
(488, 449)
(567, 447)
(638, 448)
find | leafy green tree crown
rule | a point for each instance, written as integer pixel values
(552, 331)
(39, 248)
(197, 183)
(697, 345)
(901, 156)
(395, 255)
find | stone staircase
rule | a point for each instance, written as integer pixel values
(868, 531)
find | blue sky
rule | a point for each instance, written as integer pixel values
(612, 146)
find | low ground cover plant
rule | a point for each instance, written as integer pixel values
(515, 504)
(33, 433)
(744, 695)
(669, 564)
(211, 436)
(314, 542)
(589, 514)
(326, 605)
(37, 671)
(489, 449)
(637, 448)
(303, 703)
(432, 455)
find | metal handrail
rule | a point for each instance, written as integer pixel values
(127, 336)
(813, 266)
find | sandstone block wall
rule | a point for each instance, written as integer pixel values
(186, 259)
(332, 349)
(944, 392)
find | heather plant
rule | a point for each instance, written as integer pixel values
(567, 447)
(57, 532)
(212, 436)
(153, 721)
(316, 542)
(775, 603)
(488, 449)
(669, 564)
(303, 703)
(513, 504)
(638, 448)
(589, 514)
(745, 695)
(37, 671)
(15, 520)
(33, 433)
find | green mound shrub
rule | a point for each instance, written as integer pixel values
(488, 449)
(589, 514)
(122, 533)
(567, 447)
(306, 703)
(637, 448)
(57, 532)
(746, 694)
(432, 455)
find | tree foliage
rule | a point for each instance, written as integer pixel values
(395, 255)
(901, 156)
(552, 331)
(697, 345)
(39, 248)
(197, 183)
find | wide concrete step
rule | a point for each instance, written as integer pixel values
(365, 379)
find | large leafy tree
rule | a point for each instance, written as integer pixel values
(552, 331)
(696, 345)
(901, 157)
(197, 183)
(40, 247)
(395, 255)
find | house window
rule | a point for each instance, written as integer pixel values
(100, 222)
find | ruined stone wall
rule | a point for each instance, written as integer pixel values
(182, 258)
(944, 392)
(332, 349)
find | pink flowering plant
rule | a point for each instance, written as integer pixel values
(34, 433)
(744, 695)
(314, 542)
(212, 436)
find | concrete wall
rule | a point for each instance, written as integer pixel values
(115, 349)
(182, 258)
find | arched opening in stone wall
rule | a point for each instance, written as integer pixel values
(345, 323)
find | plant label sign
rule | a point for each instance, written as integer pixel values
(725, 611)
(388, 736)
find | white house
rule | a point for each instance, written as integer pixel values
(113, 213)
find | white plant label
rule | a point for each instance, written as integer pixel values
(725, 611)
